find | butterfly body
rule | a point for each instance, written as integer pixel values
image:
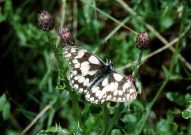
(96, 79)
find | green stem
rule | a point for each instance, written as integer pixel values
(105, 118)
(63, 70)
(115, 118)
(167, 79)
(150, 105)
(138, 64)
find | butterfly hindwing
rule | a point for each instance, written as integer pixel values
(114, 87)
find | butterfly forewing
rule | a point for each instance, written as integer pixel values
(96, 79)
(84, 66)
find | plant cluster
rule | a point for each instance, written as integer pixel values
(36, 97)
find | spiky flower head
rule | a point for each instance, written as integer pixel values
(66, 37)
(143, 41)
(45, 21)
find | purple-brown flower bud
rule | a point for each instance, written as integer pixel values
(66, 37)
(45, 21)
(143, 41)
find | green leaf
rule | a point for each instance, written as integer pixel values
(6, 111)
(186, 114)
(116, 132)
(4, 107)
(54, 131)
(129, 118)
(12, 132)
(165, 71)
(2, 102)
(166, 22)
(166, 127)
(178, 98)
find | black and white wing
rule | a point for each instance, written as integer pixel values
(114, 87)
(84, 67)
(97, 80)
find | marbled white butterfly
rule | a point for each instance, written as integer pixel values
(96, 79)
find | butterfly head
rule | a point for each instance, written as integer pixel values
(109, 63)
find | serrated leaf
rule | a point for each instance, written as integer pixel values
(54, 131)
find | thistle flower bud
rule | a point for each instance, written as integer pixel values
(143, 41)
(66, 37)
(45, 21)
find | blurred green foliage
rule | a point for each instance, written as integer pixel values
(31, 78)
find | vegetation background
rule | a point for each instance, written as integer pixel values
(33, 98)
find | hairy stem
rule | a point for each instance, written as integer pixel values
(63, 70)
(138, 64)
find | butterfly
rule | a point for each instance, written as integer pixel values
(96, 79)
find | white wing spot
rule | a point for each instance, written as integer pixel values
(77, 65)
(80, 54)
(95, 89)
(98, 93)
(81, 79)
(74, 72)
(87, 95)
(71, 75)
(119, 99)
(115, 93)
(132, 90)
(76, 86)
(86, 82)
(114, 85)
(81, 89)
(120, 92)
(84, 66)
(68, 55)
(117, 77)
(109, 97)
(73, 50)
(76, 77)
(128, 96)
(105, 82)
(91, 72)
(93, 60)
(126, 85)
(74, 61)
